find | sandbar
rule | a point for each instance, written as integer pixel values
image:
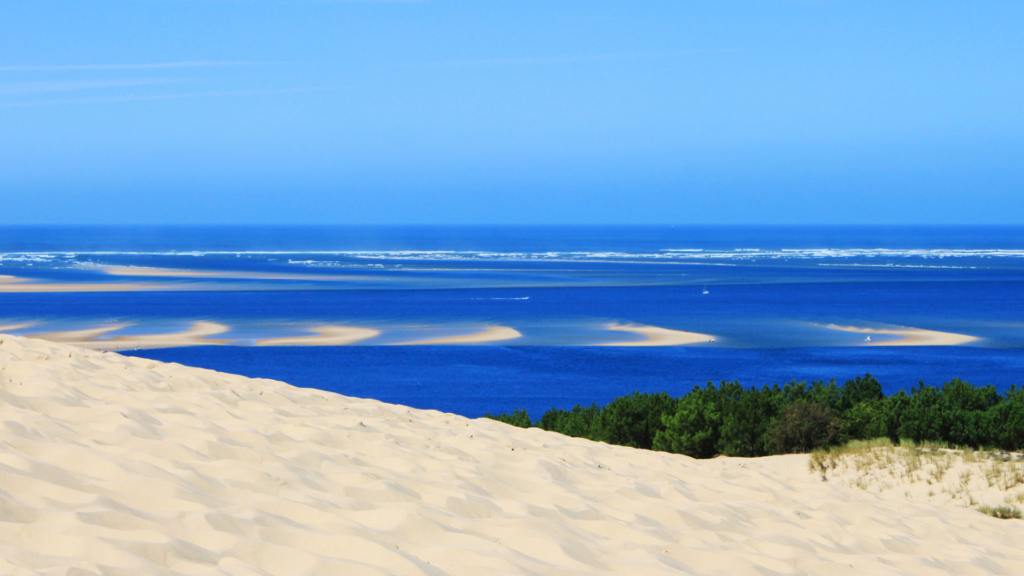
(657, 336)
(911, 336)
(224, 274)
(491, 334)
(325, 336)
(14, 284)
(6, 279)
(94, 338)
(12, 327)
(121, 465)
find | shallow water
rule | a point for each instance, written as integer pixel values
(773, 293)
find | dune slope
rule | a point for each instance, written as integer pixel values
(116, 465)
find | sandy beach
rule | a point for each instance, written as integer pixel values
(657, 336)
(125, 465)
(95, 338)
(491, 334)
(910, 336)
(324, 336)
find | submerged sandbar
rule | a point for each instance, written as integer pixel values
(491, 334)
(658, 336)
(910, 336)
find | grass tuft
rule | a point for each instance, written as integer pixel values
(1002, 512)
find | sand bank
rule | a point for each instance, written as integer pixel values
(910, 336)
(325, 336)
(13, 327)
(224, 275)
(95, 338)
(12, 284)
(125, 465)
(657, 336)
(6, 279)
(492, 334)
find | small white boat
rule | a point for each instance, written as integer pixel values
(868, 339)
(706, 290)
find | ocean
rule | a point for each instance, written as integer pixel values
(771, 297)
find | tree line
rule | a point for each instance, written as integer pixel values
(733, 420)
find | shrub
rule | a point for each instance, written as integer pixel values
(1002, 512)
(804, 426)
(736, 421)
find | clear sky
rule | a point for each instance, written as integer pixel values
(444, 111)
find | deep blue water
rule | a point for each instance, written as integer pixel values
(773, 294)
(474, 380)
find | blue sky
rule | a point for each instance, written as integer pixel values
(278, 111)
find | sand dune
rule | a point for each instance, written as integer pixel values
(325, 336)
(115, 465)
(911, 336)
(657, 336)
(94, 338)
(492, 334)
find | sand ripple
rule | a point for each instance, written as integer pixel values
(115, 465)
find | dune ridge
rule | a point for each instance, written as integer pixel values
(657, 336)
(119, 465)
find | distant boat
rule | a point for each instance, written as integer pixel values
(706, 290)
(868, 339)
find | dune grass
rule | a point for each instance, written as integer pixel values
(932, 471)
(1002, 512)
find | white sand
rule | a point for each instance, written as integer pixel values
(911, 336)
(95, 338)
(325, 336)
(657, 336)
(114, 465)
(491, 334)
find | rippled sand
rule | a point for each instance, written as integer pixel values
(116, 465)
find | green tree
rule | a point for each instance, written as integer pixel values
(694, 427)
(578, 422)
(634, 420)
(517, 417)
